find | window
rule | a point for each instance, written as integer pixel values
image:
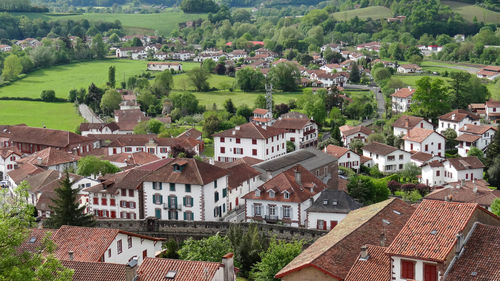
(109, 253)
(286, 211)
(222, 149)
(104, 201)
(271, 194)
(286, 195)
(96, 201)
(254, 141)
(163, 150)
(257, 210)
(113, 214)
(131, 193)
(437, 173)
(333, 224)
(172, 186)
(348, 155)
(401, 157)
(272, 210)
(128, 149)
(158, 213)
(188, 201)
(188, 216)
(129, 242)
(216, 196)
(321, 225)
(407, 269)
(224, 193)
(222, 140)
(144, 254)
(188, 187)
(124, 191)
(215, 183)
(119, 247)
(238, 140)
(254, 152)
(157, 199)
(172, 202)
(439, 145)
(156, 186)
(411, 146)
(426, 147)
(430, 272)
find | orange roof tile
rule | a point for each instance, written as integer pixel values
(403, 93)
(375, 268)
(155, 269)
(418, 134)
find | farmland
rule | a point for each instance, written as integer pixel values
(374, 12)
(470, 11)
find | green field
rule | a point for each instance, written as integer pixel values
(62, 116)
(470, 11)
(374, 12)
(164, 22)
(239, 98)
(494, 90)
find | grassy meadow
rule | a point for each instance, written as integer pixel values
(374, 12)
(469, 11)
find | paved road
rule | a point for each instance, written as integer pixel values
(88, 114)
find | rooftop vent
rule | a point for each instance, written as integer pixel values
(171, 274)
(473, 273)
(386, 221)
(325, 202)
(334, 203)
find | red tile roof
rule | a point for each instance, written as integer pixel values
(240, 173)
(24, 170)
(191, 133)
(466, 192)
(348, 130)
(285, 181)
(289, 123)
(336, 151)
(375, 268)
(336, 252)
(481, 256)
(155, 269)
(50, 157)
(47, 137)
(403, 93)
(430, 233)
(421, 156)
(407, 121)
(458, 115)
(6, 152)
(99, 126)
(379, 148)
(260, 111)
(476, 129)
(492, 103)
(251, 131)
(96, 271)
(34, 241)
(468, 138)
(132, 159)
(465, 163)
(418, 134)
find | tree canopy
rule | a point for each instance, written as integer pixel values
(93, 166)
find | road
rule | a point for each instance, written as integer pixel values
(88, 114)
(379, 97)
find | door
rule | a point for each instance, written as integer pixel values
(158, 213)
(430, 272)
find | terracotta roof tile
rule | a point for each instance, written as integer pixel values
(192, 133)
(492, 103)
(6, 152)
(458, 115)
(98, 126)
(476, 129)
(375, 268)
(260, 111)
(421, 156)
(250, 130)
(47, 137)
(50, 157)
(24, 170)
(239, 174)
(132, 159)
(336, 150)
(403, 93)
(468, 138)
(466, 192)
(465, 163)
(96, 271)
(291, 123)
(34, 241)
(379, 148)
(155, 269)
(407, 121)
(418, 134)
(348, 130)
(336, 252)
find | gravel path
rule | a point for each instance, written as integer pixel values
(88, 114)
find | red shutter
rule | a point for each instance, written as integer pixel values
(333, 224)
(324, 225)
(430, 272)
(96, 201)
(407, 269)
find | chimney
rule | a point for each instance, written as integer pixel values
(382, 239)
(131, 269)
(228, 262)
(407, 122)
(237, 128)
(364, 252)
(460, 241)
(234, 132)
(298, 176)
(39, 160)
(70, 253)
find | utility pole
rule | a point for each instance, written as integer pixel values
(269, 98)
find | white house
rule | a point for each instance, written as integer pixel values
(456, 119)
(237, 54)
(424, 140)
(409, 68)
(162, 66)
(99, 128)
(262, 117)
(492, 110)
(5, 48)
(408, 122)
(182, 55)
(52, 159)
(131, 52)
(329, 209)
(261, 142)
(346, 157)
(284, 198)
(421, 158)
(349, 133)
(329, 68)
(303, 132)
(489, 72)
(388, 158)
(8, 160)
(452, 170)
(479, 136)
(334, 47)
(401, 99)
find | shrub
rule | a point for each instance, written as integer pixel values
(393, 186)
(48, 95)
(408, 187)
(423, 189)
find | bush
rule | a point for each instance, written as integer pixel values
(408, 187)
(48, 96)
(423, 189)
(393, 186)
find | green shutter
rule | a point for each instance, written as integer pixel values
(169, 203)
(192, 201)
(185, 216)
(159, 184)
(176, 215)
(153, 200)
(175, 202)
(184, 202)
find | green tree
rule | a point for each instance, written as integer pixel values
(187, 103)
(279, 254)
(410, 172)
(495, 206)
(450, 136)
(260, 102)
(248, 245)
(356, 145)
(290, 146)
(12, 67)
(430, 99)
(229, 106)
(211, 125)
(151, 126)
(494, 172)
(244, 110)
(91, 165)
(285, 76)
(198, 77)
(65, 207)
(355, 76)
(98, 47)
(249, 79)
(162, 84)
(48, 96)
(212, 248)
(16, 222)
(111, 76)
(209, 65)
(110, 101)
(493, 150)
(474, 151)
(367, 190)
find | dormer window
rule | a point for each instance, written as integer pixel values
(271, 194)
(286, 195)
(257, 193)
(325, 202)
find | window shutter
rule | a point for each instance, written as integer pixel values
(176, 214)
(175, 206)
(192, 202)
(159, 185)
(184, 202)
(253, 210)
(281, 211)
(185, 216)
(161, 199)
(169, 203)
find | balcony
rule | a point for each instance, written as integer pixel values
(271, 219)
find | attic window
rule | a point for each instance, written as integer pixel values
(325, 202)
(171, 274)
(32, 239)
(257, 193)
(271, 194)
(434, 232)
(473, 273)
(334, 202)
(396, 212)
(178, 168)
(386, 221)
(286, 195)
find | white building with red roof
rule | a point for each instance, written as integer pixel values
(262, 117)
(303, 132)
(8, 160)
(479, 136)
(424, 140)
(437, 173)
(350, 133)
(401, 99)
(456, 119)
(162, 66)
(389, 159)
(409, 68)
(346, 157)
(408, 122)
(284, 198)
(249, 140)
(489, 72)
(493, 110)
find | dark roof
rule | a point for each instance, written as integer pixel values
(407, 121)
(334, 201)
(96, 271)
(47, 137)
(98, 126)
(458, 115)
(480, 259)
(466, 163)
(421, 156)
(50, 157)
(240, 173)
(251, 131)
(191, 133)
(290, 123)
(379, 148)
(476, 191)
(374, 268)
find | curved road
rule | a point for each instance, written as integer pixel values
(88, 114)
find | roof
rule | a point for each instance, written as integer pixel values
(336, 150)
(36, 181)
(403, 93)
(96, 271)
(407, 121)
(458, 115)
(418, 134)
(468, 138)
(50, 157)
(240, 173)
(379, 148)
(334, 201)
(466, 163)
(47, 137)
(410, 66)
(250, 131)
(430, 233)
(260, 111)
(348, 130)
(34, 240)
(24, 170)
(479, 260)
(375, 268)
(467, 192)
(128, 119)
(336, 252)
(191, 133)
(5, 152)
(99, 126)
(476, 129)
(121, 140)
(492, 103)
(291, 123)
(132, 159)
(421, 156)
(155, 269)
(308, 186)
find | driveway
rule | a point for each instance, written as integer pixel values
(88, 114)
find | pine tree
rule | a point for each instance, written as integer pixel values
(65, 209)
(335, 133)
(111, 77)
(354, 76)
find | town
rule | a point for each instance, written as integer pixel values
(241, 141)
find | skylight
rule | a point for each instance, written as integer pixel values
(434, 232)
(334, 202)
(32, 239)
(396, 212)
(386, 221)
(325, 202)
(171, 274)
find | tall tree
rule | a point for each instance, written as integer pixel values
(110, 101)
(212, 248)
(279, 254)
(285, 76)
(98, 47)
(162, 84)
(91, 165)
(354, 76)
(229, 106)
(12, 67)
(65, 209)
(112, 76)
(493, 149)
(430, 99)
(249, 79)
(198, 77)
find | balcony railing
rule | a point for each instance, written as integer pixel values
(271, 218)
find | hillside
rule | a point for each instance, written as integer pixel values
(469, 11)
(374, 12)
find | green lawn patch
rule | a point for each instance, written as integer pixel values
(239, 97)
(468, 12)
(61, 116)
(374, 12)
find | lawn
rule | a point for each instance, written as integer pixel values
(63, 78)
(222, 82)
(239, 98)
(164, 22)
(374, 12)
(62, 116)
(411, 80)
(468, 12)
(494, 90)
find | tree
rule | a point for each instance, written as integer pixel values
(93, 97)
(110, 101)
(187, 103)
(335, 133)
(212, 248)
(495, 206)
(430, 99)
(368, 190)
(98, 47)
(16, 222)
(12, 67)
(151, 126)
(244, 110)
(209, 65)
(494, 172)
(354, 76)
(162, 84)
(450, 136)
(279, 254)
(181, 152)
(493, 150)
(198, 77)
(356, 145)
(474, 151)
(260, 102)
(136, 42)
(410, 172)
(111, 77)
(211, 125)
(65, 207)
(249, 79)
(290, 146)
(247, 246)
(229, 106)
(93, 166)
(285, 76)
(48, 95)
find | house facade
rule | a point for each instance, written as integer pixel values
(162, 66)
(436, 173)
(402, 99)
(456, 120)
(424, 140)
(388, 158)
(492, 108)
(303, 132)
(349, 133)
(408, 122)
(346, 157)
(8, 161)
(479, 136)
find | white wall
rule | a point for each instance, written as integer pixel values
(7, 165)
(435, 145)
(419, 269)
(401, 104)
(313, 217)
(400, 159)
(275, 147)
(350, 160)
(138, 246)
(444, 125)
(240, 191)
(294, 210)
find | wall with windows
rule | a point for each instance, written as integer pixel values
(235, 196)
(124, 204)
(323, 221)
(390, 163)
(260, 210)
(402, 269)
(228, 149)
(433, 144)
(125, 247)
